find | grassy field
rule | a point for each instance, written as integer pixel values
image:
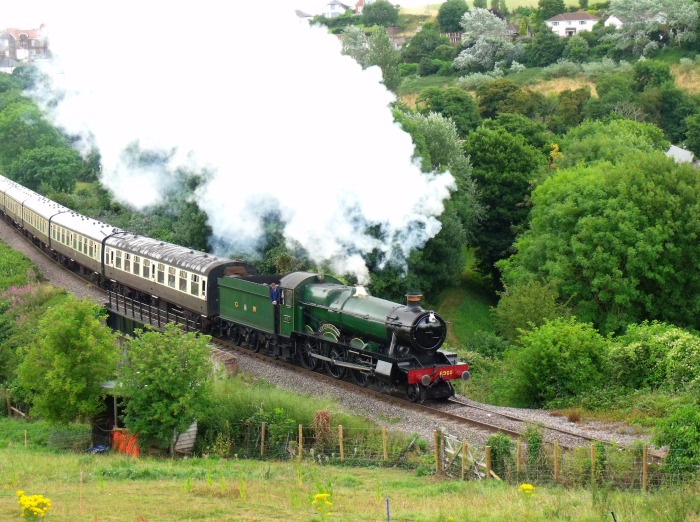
(116, 488)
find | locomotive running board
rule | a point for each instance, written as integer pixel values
(341, 363)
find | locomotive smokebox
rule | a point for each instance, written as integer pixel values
(413, 300)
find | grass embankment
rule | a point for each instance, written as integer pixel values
(115, 488)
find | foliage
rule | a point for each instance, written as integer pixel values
(561, 69)
(614, 142)
(649, 24)
(618, 240)
(680, 431)
(501, 453)
(668, 107)
(534, 133)
(692, 134)
(605, 67)
(23, 128)
(554, 363)
(52, 168)
(523, 307)
(545, 48)
(474, 80)
(381, 13)
(424, 44)
(569, 111)
(547, 9)
(486, 42)
(166, 382)
(653, 355)
(490, 95)
(576, 49)
(382, 53)
(504, 165)
(450, 14)
(354, 44)
(73, 354)
(536, 456)
(650, 73)
(454, 103)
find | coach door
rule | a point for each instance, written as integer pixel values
(287, 313)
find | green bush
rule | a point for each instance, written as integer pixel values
(680, 431)
(557, 361)
(408, 69)
(502, 459)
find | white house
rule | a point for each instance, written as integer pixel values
(334, 8)
(568, 24)
(613, 21)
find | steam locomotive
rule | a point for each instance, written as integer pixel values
(319, 322)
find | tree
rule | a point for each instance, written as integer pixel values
(438, 148)
(651, 24)
(651, 73)
(534, 133)
(576, 49)
(454, 103)
(23, 127)
(668, 107)
(692, 134)
(544, 49)
(383, 54)
(74, 352)
(569, 111)
(613, 142)
(504, 166)
(355, 45)
(166, 382)
(491, 94)
(557, 361)
(450, 14)
(617, 240)
(480, 4)
(424, 44)
(381, 13)
(524, 307)
(55, 167)
(547, 9)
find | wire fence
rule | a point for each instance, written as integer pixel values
(599, 465)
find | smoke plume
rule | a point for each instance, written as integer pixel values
(265, 104)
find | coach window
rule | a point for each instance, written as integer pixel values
(127, 262)
(183, 281)
(171, 277)
(161, 273)
(74, 241)
(91, 249)
(137, 265)
(119, 260)
(63, 236)
(204, 287)
(80, 244)
(146, 268)
(194, 284)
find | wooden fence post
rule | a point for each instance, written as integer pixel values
(262, 440)
(556, 461)
(436, 440)
(464, 457)
(592, 465)
(645, 468)
(340, 439)
(518, 459)
(488, 461)
(386, 454)
(301, 441)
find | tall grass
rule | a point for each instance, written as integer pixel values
(111, 487)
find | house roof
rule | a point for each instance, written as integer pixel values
(572, 17)
(341, 4)
(680, 155)
(35, 34)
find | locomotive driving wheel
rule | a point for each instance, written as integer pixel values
(358, 377)
(413, 392)
(336, 353)
(253, 342)
(308, 347)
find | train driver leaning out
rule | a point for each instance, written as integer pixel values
(275, 294)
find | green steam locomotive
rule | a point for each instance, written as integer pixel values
(342, 330)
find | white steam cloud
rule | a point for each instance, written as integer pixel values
(267, 105)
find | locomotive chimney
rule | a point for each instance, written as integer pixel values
(413, 300)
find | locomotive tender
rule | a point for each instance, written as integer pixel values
(320, 322)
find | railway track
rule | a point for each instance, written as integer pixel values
(454, 411)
